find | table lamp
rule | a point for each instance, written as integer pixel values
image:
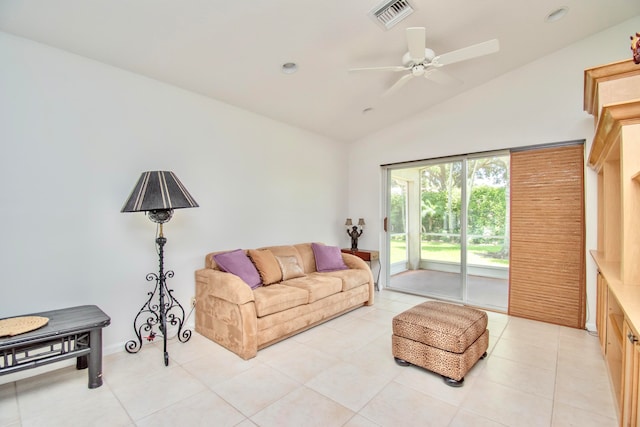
(354, 231)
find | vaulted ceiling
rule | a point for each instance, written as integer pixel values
(233, 51)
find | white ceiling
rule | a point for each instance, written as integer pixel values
(233, 50)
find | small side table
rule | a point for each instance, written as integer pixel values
(368, 256)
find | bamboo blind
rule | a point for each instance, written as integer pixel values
(547, 261)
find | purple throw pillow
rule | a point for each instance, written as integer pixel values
(238, 263)
(328, 258)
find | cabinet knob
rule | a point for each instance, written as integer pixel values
(632, 338)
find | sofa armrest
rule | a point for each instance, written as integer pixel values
(355, 262)
(226, 311)
(226, 286)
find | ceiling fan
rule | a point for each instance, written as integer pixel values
(421, 61)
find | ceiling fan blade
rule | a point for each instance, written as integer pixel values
(398, 84)
(469, 52)
(416, 41)
(390, 68)
(440, 77)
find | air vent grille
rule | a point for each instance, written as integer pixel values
(389, 13)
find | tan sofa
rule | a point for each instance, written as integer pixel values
(245, 320)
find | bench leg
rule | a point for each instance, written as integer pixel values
(95, 358)
(82, 362)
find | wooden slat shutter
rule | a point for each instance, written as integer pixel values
(547, 255)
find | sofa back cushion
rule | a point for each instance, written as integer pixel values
(210, 262)
(306, 256)
(290, 267)
(284, 250)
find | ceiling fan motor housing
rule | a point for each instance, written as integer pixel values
(429, 54)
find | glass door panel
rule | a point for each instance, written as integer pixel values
(397, 224)
(440, 212)
(487, 232)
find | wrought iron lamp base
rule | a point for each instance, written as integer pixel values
(167, 312)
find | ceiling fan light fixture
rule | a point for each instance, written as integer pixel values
(418, 70)
(289, 67)
(557, 14)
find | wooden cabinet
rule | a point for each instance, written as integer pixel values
(612, 96)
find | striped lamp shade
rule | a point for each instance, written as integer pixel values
(158, 191)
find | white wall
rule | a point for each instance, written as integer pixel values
(537, 104)
(76, 134)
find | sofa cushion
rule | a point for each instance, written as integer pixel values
(238, 263)
(285, 250)
(318, 286)
(290, 267)
(307, 260)
(328, 258)
(278, 297)
(267, 266)
(350, 278)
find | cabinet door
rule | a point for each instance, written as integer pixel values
(630, 372)
(635, 398)
(601, 311)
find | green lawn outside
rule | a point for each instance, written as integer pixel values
(450, 252)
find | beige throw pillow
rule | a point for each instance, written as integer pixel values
(267, 266)
(290, 267)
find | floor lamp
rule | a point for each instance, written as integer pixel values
(158, 193)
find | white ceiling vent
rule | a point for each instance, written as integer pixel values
(389, 13)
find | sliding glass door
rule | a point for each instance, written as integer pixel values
(454, 229)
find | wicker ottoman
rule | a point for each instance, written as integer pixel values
(441, 337)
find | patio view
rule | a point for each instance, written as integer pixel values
(449, 236)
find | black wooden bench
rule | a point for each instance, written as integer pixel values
(70, 332)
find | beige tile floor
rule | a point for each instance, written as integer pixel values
(340, 373)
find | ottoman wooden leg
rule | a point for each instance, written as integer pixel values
(453, 383)
(458, 383)
(401, 362)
